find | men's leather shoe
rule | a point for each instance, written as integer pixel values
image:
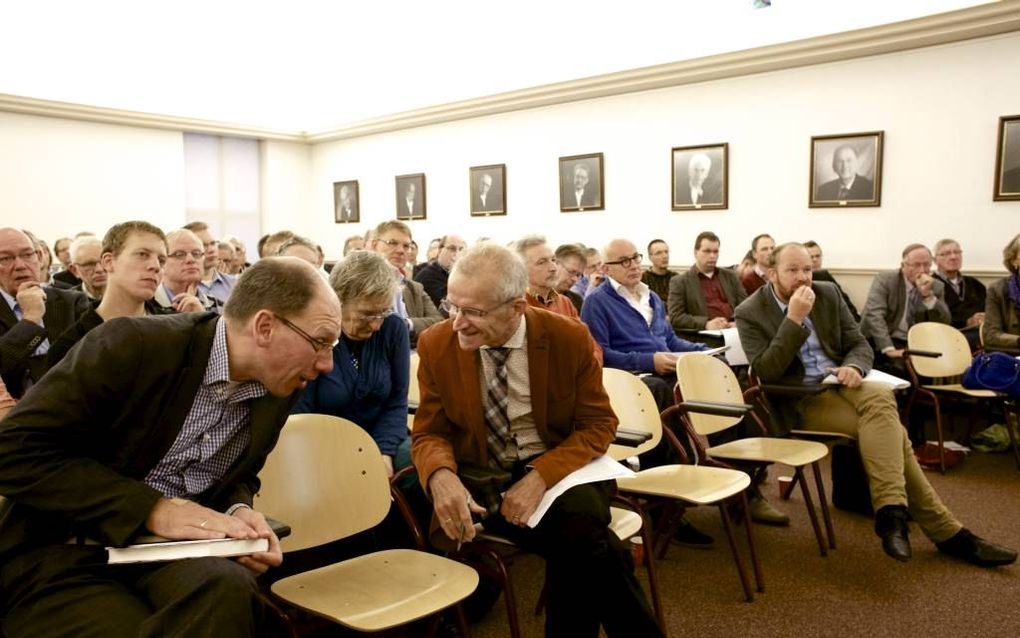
(691, 536)
(891, 526)
(763, 512)
(976, 550)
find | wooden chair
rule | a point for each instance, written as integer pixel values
(706, 381)
(689, 484)
(940, 353)
(325, 477)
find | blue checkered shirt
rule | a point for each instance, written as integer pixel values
(215, 432)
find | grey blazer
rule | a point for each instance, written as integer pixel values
(1002, 326)
(772, 342)
(420, 309)
(887, 301)
(686, 306)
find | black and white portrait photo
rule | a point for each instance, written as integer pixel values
(411, 196)
(581, 183)
(488, 190)
(345, 202)
(846, 170)
(1007, 161)
(700, 177)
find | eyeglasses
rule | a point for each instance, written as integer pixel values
(625, 261)
(393, 243)
(363, 318)
(183, 254)
(318, 345)
(470, 313)
(26, 255)
(88, 265)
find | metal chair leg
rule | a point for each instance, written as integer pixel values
(759, 578)
(748, 594)
(811, 511)
(824, 503)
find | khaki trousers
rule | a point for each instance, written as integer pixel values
(869, 414)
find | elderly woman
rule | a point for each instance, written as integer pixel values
(368, 384)
(1002, 305)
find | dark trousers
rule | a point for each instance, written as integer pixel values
(66, 590)
(589, 573)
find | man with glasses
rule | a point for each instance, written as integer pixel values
(214, 283)
(86, 266)
(965, 296)
(572, 263)
(157, 425)
(434, 276)
(507, 386)
(31, 316)
(393, 241)
(182, 275)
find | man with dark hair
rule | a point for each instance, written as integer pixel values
(821, 274)
(658, 275)
(754, 277)
(572, 263)
(157, 425)
(214, 283)
(434, 276)
(704, 297)
(32, 316)
(794, 332)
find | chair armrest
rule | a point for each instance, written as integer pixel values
(793, 389)
(631, 438)
(921, 353)
(716, 409)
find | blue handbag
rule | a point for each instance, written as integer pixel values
(996, 371)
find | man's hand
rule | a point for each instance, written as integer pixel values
(387, 462)
(895, 353)
(847, 375)
(801, 302)
(262, 561)
(521, 500)
(182, 520)
(716, 323)
(32, 300)
(188, 301)
(924, 285)
(975, 319)
(664, 362)
(453, 505)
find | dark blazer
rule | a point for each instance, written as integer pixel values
(433, 279)
(825, 275)
(887, 301)
(420, 309)
(963, 307)
(569, 405)
(493, 201)
(75, 450)
(65, 279)
(404, 213)
(1002, 326)
(569, 200)
(862, 189)
(687, 301)
(772, 342)
(711, 192)
(19, 339)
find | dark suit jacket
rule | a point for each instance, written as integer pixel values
(65, 279)
(420, 309)
(75, 450)
(19, 339)
(887, 301)
(861, 189)
(963, 307)
(687, 301)
(569, 200)
(433, 279)
(711, 192)
(404, 213)
(825, 275)
(569, 405)
(772, 342)
(493, 201)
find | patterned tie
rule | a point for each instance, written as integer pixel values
(496, 399)
(913, 305)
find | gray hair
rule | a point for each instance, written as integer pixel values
(172, 236)
(503, 268)
(297, 240)
(526, 243)
(81, 242)
(363, 274)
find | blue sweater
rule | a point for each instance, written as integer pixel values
(374, 395)
(628, 343)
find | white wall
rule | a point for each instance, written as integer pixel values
(58, 177)
(939, 109)
(286, 185)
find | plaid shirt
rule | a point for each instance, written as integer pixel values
(215, 432)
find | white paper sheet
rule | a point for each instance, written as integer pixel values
(603, 468)
(874, 376)
(735, 355)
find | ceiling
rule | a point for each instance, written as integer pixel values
(311, 66)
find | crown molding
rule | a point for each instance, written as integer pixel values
(975, 22)
(70, 111)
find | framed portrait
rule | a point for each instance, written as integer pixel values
(411, 196)
(700, 177)
(1007, 160)
(582, 186)
(846, 170)
(346, 202)
(487, 190)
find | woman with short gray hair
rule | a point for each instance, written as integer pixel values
(371, 362)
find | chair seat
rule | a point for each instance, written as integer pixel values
(380, 590)
(792, 452)
(692, 483)
(959, 389)
(821, 434)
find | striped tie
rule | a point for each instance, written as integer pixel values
(496, 399)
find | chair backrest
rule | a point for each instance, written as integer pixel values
(704, 378)
(939, 337)
(325, 478)
(413, 395)
(635, 407)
